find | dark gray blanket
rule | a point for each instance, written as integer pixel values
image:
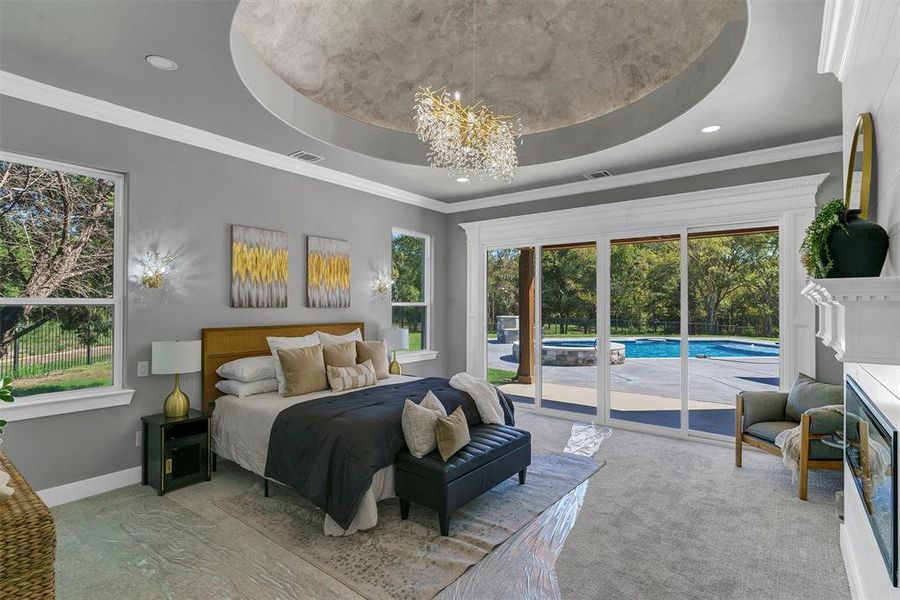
(330, 448)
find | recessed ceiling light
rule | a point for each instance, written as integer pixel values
(161, 62)
(462, 180)
(711, 128)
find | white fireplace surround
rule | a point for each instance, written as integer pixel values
(859, 318)
(788, 204)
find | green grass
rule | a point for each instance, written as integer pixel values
(76, 378)
(500, 376)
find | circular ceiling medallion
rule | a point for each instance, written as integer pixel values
(555, 63)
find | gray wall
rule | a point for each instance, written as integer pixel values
(827, 368)
(185, 199)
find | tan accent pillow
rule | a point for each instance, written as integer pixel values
(452, 433)
(304, 370)
(340, 355)
(418, 422)
(348, 378)
(377, 353)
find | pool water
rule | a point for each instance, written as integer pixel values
(669, 348)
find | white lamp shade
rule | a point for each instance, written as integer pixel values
(176, 357)
(396, 338)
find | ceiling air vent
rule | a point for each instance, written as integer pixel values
(306, 156)
(598, 174)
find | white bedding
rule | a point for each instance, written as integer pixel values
(240, 433)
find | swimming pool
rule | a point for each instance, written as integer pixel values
(671, 348)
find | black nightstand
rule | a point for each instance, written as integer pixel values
(176, 451)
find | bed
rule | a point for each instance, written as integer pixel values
(242, 428)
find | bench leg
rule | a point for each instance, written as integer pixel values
(444, 520)
(215, 461)
(522, 474)
(404, 509)
(266, 488)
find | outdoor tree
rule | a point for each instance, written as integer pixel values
(57, 234)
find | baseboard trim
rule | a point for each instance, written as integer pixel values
(86, 488)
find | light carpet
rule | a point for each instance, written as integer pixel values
(409, 559)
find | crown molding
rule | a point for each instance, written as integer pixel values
(839, 20)
(22, 88)
(29, 90)
(753, 158)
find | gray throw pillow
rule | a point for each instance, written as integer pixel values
(418, 422)
(808, 393)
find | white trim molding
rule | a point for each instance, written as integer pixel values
(417, 356)
(70, 492)
(859, 317)
(829, 145)
(839, 20)
(787, 203)
(16, 86)
(61, 403)
(29, 90)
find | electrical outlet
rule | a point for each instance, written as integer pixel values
(143, 368)
(138, 438)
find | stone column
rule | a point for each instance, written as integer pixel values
(525, 373)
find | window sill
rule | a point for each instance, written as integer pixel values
(60, 403)
(417, 356)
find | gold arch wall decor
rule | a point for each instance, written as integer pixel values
(327, 272)
(259, 268)
(865, 128)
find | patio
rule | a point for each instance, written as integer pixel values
(647, 390)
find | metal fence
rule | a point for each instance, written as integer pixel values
(629, 327)
(50, 348)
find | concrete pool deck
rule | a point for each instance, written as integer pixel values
(650, 382)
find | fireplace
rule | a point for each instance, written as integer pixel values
(871, 454)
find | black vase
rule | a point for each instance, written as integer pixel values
(859, 248)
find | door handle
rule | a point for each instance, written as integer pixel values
(168, 466)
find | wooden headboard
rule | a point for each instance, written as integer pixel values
(222, 344)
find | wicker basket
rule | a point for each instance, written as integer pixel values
(27, 542)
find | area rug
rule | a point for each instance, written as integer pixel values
(409, 559)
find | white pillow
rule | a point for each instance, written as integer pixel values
(286, 343)
(329, 339)
(242, 389)
(418, 422)
(252, 368)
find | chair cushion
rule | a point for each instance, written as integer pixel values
(768, 430)
(808, 393)
(488, 442)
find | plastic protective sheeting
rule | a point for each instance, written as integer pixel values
(524, 566)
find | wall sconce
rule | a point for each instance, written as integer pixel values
(155, 269)
(382, 282)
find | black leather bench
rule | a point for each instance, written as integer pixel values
(495, 453)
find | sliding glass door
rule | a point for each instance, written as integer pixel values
(510, 319)
(569, 354)
(645, 330)
(687, 320)
(733, 311)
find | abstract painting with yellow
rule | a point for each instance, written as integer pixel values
(328, 272)
(259, 268)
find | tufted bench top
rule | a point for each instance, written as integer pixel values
(488, 443)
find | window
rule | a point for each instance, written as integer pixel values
(410, 301)
(60, 280)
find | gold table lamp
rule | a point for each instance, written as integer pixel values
(175, 358)
(395, 338)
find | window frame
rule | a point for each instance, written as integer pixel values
(428, 352)
(53, 403)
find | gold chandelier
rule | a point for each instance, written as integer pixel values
(467, 140)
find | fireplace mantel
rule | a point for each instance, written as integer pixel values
(859, 317)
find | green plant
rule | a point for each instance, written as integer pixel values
(814, 252)
(5, 396)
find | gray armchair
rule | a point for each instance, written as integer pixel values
(761, 416)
